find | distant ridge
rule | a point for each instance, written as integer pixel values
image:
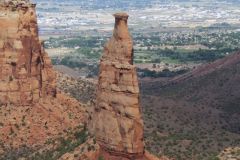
(201, 107)
(210, 67)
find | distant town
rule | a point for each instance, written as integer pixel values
(60, 17)
(169, 36)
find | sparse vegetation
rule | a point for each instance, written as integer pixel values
(195, 118)
(101, 158)
(62, 145)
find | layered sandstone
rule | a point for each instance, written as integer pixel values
(31, 112)
(117, 122)
(26, 72)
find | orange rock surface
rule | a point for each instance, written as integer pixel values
(26, 72)
(117, 122)
(31, 111)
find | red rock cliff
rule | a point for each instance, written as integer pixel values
(31, 110)
(25, 69)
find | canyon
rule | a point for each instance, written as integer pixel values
(117, 117)
(37, 119)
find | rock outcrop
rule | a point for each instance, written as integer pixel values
(33, 116)
(116, 121)
(36, 119)
(230, 154)
(26, 72)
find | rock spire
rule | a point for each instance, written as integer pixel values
(117, 122)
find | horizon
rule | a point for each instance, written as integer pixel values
(89, 16)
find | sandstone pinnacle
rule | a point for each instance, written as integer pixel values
(117, 122)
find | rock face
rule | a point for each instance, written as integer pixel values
(26, 72)
(31, 112)
(117, 122)
(230, 154)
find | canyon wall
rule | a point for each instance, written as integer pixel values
(35, 112)
(26, 72)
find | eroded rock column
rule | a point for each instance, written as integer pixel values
(117, 122)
